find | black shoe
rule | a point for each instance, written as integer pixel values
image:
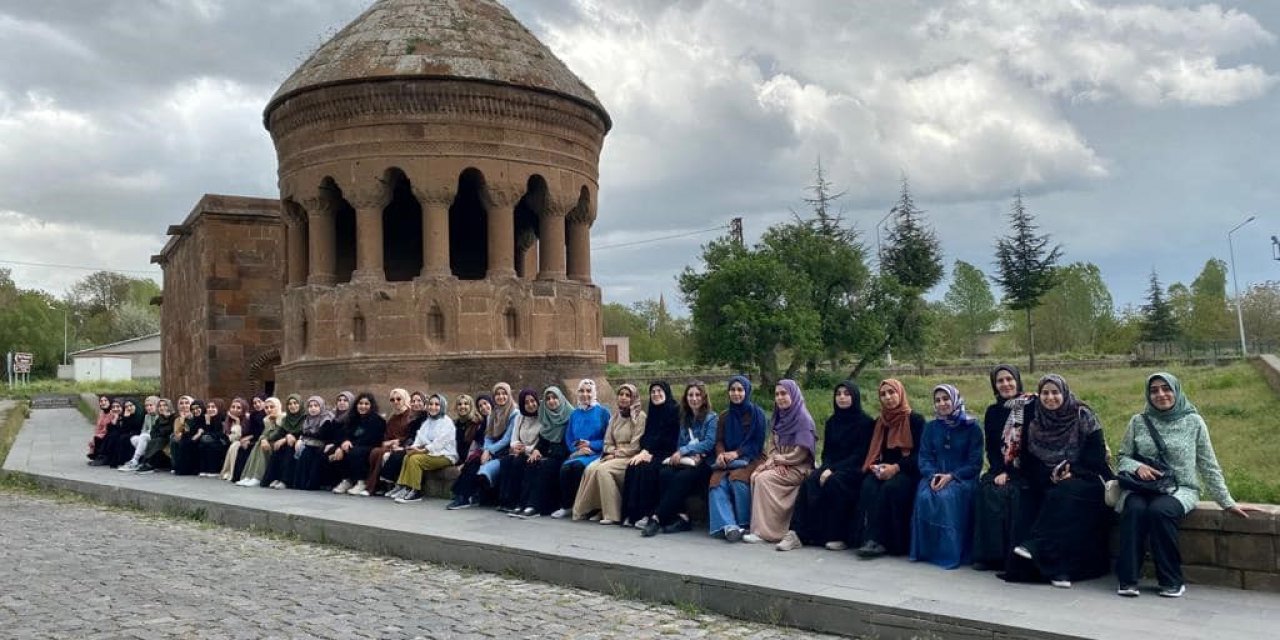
(871, 549)
(679, 526)
(980, 566)
(651, 527)
(146, 468)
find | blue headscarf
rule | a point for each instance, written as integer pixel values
(957, 416)
(748, 438)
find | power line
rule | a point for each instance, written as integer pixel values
(74, 266)
(672, 237)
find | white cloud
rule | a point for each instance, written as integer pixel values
(76, 249)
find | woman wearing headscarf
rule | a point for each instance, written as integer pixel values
(739, 451)
(157, 444)
(433, 448)
(307, 471)
(524, 440)
(950, 460)
(468, 424)
(365, 432)
(829, 495)
(538, 491)
(601, 487)
(120, 446)
(393, 462)
(993, 503)
(213, 442)
(272, 432)
(233, 426)
(185, 443)
(336, 432)
(584, 438)
(1189, 456)
(1061, 525)
(396, 438)
(661, 437)
(776, 483)
(107, 418)
(882, 521)
(688, 468)
(143, 439)
(477, 479)
(255, 424)
(283, 450)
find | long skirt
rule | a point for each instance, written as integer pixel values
(467, 486)
(256, 467)
(773, 498)
(541, 488)
(729, 505)
(310, 469)
(512, 480)
(157, 452)
(185, 454)
(279, 466)
(675, 485)
(1065, 527)
(824, 511)
(117, 448)
(356, 464)
(884, 512)
(942, 524)
(993, 522)
(229, 460)
(242, 461)
(571, 473)
(212, 454)
(601, 489)
(640, 488)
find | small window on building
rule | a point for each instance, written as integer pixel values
(303, 337)
(435, 324)
(358, 332)
(511, 322)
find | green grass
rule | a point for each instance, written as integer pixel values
(1234, 399)
(143, 387)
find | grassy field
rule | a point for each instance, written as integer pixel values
(142, 387)
(1236, 402)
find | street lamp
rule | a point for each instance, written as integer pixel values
(64, 328)
(1235, 282)
(879, 251)
(1275, 247)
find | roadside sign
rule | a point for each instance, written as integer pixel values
(22, 362)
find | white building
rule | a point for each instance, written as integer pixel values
(104, 362)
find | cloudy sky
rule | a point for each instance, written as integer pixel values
(1139, 132)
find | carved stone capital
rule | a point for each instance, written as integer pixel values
(317, 206)
(440, 196)
(374, 196)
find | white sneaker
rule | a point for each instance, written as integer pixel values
(837, 545)
(752, 538)
(278, 485)
(1061, 583)
(789, 542)
(250, 482)
(607, 521)
(1173, 592)
(560, 514)
(358, 490)
(1022, 552)
(342, 487)
(642, 522)
(1128, 591)
(128, 466)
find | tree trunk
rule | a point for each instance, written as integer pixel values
(1031, 344)
(869, 357)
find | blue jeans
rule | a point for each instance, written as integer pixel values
(730, 505)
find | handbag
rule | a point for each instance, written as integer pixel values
(1164, 485)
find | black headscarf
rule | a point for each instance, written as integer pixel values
(1057, 435)
(848, 433)
(661, 425)
(996, 416)
(133, 424)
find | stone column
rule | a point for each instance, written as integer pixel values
(435, 202)
(551, 241)
(579, 232)
(320, 259)
(297, 250)
(500, 210)
(369, 205)
(527, 254)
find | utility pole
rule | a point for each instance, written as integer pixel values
(1244, 349)
(735, 230)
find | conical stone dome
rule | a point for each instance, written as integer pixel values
(447, 39)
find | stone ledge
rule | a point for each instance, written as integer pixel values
(1224, 550)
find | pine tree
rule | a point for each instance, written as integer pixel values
(912, 253)
(1025, 266)
(825, 219)
(1158, 323)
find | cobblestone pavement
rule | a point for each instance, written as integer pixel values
(70, 570)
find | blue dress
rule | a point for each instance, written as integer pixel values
(589, 425)
(496, 448)
(942, 525)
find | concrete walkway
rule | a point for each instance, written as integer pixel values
(811, 588)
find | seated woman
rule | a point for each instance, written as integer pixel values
(308, 470)
(469, 422)
(155, 455)
(1061, 523)
(775, 484)
(393, 461)
(273, 436)
(433, 448)
(336, 433)
(401, 430)
(829, 496)
(601, 487)
(233, 426)
(991, 519)
(950, 460)
(184, 445)
(525, 434)
(283, 451)
(1186, 451)
(107, 417)
(740, 434)
(661, 437)
(249, 435)
(143, 439)
(538, 491)
(882, 521)
(120, 438)
(688, 468)
(476, 481)
(365, 431)
(212, 443)
(584, 438)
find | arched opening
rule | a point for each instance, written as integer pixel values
(401, 230)
(511, 326)
(468, 228)
(303, 337)
(344, 231)
(358, 331)
(435, 324)
(262, 372)
(527, 219)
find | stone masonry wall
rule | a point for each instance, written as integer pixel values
(1223, 550)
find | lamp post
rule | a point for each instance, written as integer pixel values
(1235, 283)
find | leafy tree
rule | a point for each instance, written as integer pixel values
(108, 307)
(1025, 264)
(970, 305)
(1210, 315)
(1158, 322)
(1261, 308)
(1077, 312)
